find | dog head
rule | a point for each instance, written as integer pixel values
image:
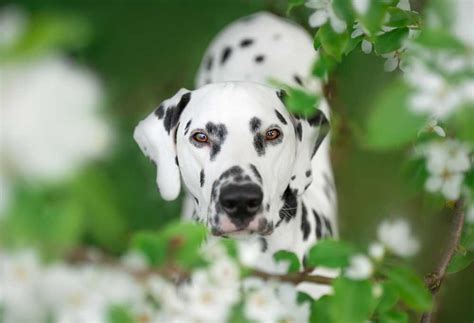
(240, 153)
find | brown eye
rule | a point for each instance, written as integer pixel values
(272, 134)
(200, 137)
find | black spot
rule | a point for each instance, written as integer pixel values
(305, 226)
(176, 161)
(323, 125)
(259, 144)
(173, 113)
(209, 63)
(299, 131)
(218, 134)
(281, 94)
(280, 117)
(196, 200)
(226, 54)
(233, 171)
(201, 178)
(318, 119)
(306, 187)
(264, 243)
(186, 128)
(246, 42)
(293, 177)
(175, 137)
(308, 173)
(318, 225)
(256, 173)
(160, 111)
(290, 206)
(259, 59)
(255, 124)
(268, 207)
(298, 80)
(328, 226)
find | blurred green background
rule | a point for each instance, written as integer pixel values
(144, 51)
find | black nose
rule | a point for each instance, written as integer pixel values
(241, 201)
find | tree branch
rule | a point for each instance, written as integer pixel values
(294, 278)
(435, 279)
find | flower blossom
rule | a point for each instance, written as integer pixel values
(360, 267)
(446, 162)
(324, 13)
(396, 237)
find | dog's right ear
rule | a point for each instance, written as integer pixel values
(155, 136)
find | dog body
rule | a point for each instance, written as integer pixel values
(252, 170)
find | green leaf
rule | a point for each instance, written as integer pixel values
(411, 288)
(440, 39)
(119, 314)
(152, 246)
(324, 65)
(461, 260)
(388, 299)
(320, 309)
(293, 4)
(343, 10)
(290, 257)
(400, 18)
(184, 241)
(464, 120)
(329, 253)
(352, 301)
(333, 43)
(373, 19)
(390, 41)
(394, 317)
(300, 102)
(390, 124)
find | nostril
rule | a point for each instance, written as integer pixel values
(252, 203)
(229, 204)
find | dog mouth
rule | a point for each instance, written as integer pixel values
(259, 226)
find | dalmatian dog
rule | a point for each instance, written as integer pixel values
(252, 170)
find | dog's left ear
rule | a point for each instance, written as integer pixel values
(310, 134)
(156, 137)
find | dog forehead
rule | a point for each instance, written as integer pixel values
(232, 103)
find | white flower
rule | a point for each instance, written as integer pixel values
(208, 302)
(361, 6)
(287, 294)
(366, 45)
(262, 304)
(433, 94)
(462, 24)
(393, 60)
(13, 23)
(396, 236)
(50, 119)
(376, 250)
(446, 161)
(377, 290)
(360, 267)
(433, 127)
(225, 273)
(470, 214)
(20, 273)
(324, 12)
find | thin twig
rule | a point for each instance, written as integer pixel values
(294, 278)
(435, 279)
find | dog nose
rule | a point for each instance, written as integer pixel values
(241, 201)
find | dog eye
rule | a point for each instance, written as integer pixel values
(200, 137)
(272, 134)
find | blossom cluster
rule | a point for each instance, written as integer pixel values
(60, 292)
